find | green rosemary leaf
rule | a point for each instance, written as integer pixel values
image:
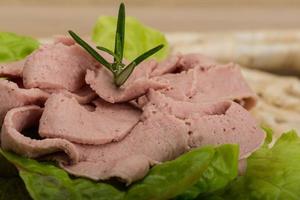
(119, 70)
(120, 33)
(91, 51)
(109, 52)
(124, 75)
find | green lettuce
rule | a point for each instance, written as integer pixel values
(45, 181)
(164, 181)
(138, 37)
(175, 177)
(272, 173)
(14, 47)
(205, 173)
(221, 171)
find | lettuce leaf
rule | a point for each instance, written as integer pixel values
(222, 170)
(272, 173)
(48, 182)
(14, 47)
(45, 181)
(138, 37)
(167, 180)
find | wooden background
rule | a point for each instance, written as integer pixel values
(45, 18)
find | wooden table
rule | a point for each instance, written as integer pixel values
(45, 20)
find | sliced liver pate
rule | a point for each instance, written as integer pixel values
(184, 102)
(64, 117)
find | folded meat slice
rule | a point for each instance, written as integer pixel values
(181, 86)
(12, 139)
(187, 103)
(167, 66)
(12, 69)
(183, 62)
(139, 82)
(84, 95)
(167, 129)
(211, 84)
(12, 96)
(224, 82)
(57, 66)
(159, 138)
(191, 77)
(193, 60)
(64, 117)
(216, 123)
(234, 126)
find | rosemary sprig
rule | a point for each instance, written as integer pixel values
(124, 75)
(120, 32)
(120, 71)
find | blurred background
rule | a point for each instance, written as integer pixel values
(46, 17)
